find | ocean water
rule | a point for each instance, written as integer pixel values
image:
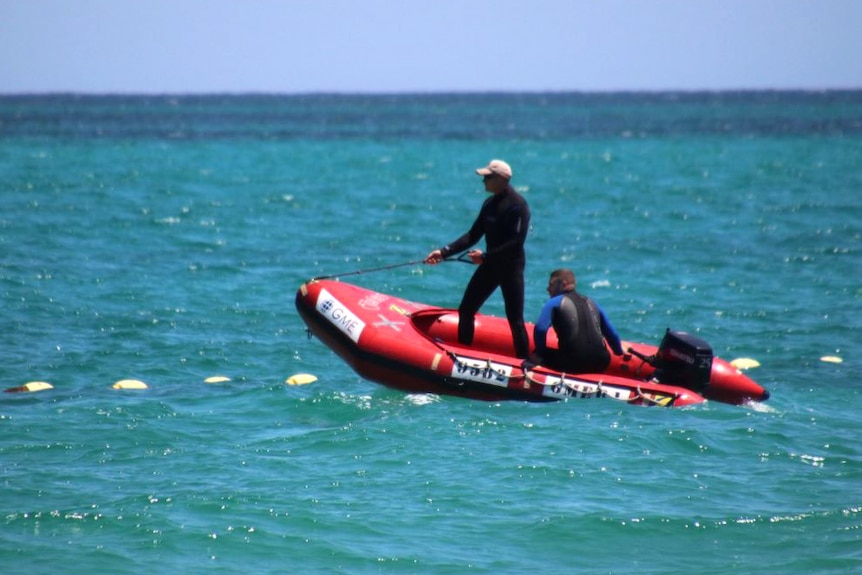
(163, 239)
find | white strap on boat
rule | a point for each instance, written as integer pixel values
(488, 365)
(528, 375)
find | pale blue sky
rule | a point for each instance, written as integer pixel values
(299, 46)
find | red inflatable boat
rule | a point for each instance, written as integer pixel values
(414, 347)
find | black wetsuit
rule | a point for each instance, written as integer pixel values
(582, 328)
(504, 220)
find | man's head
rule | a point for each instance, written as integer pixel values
(495, 176)
(561, 281)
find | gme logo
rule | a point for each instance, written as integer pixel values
(339, 316)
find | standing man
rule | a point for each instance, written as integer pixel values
(581, 327)
(504, 221)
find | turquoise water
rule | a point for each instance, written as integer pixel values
(163, 239)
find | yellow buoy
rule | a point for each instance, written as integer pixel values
(831, 359)
(300, 379)
(31, 387)
(744, 363)
(130, 384)
(217, 379)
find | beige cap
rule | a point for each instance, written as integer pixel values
(498, 167)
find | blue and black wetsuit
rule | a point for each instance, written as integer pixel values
(581, 328)
(504, 220)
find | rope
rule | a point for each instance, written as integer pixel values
(600, 392)
(368, 270)
(460, 258)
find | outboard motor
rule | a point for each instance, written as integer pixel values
(684, 360)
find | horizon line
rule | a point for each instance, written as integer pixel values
(267, 93)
